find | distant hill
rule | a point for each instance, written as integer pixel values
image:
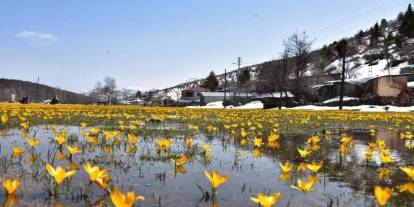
(37, 92)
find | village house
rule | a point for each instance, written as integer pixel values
(390, 86)
(332, 89)
(193, 94)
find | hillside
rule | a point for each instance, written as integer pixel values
(37, 92)
(383, 49)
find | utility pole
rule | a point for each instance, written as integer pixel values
(37, 89)
(239, 61)
(225, 87)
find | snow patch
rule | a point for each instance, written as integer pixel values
(364, 108)
(251, 105)
(336, 99)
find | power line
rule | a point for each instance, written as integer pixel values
(359, 15)
(343, 28)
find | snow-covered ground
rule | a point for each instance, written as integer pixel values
(212, 105)
(365, 108)
(336, 99)
(410, 84)
(251, 105)
(219, 105)
(259, 105)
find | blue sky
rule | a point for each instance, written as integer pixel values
(72, 44)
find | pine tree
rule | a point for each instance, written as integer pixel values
(244, 76)
(407, 24)
(211, 82)
(375, 33)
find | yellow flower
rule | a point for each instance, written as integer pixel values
(407, 187)
(4, 119)
(314, 140)
(409, 170)
(11, 185)
(121, 200)
(73, 150)
(132, 139)
(97, 175)
(206, 148)
(303, 153)
(163, 144)
(181, 160)
(257, 142)
(346, 139)
(60, 139)
(273, 137)
(243, 133)
(285, 176)
(243, 141)
(92, 139)
(382, 195)
(33, 142)
(215, 178)
(84, 124)
(314, 167)
(304, 187)
(257, 153)
(59, 173)
(285, 167)
(386, 157)
(266, 201)
(17, 151)
(94, 130)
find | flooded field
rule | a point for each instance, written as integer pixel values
(168, 156)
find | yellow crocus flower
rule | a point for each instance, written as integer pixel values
(206, 148)
(266, 201)
(11, 186)
(409, 170)
(215, 178)
(382, 195)
(17, 151)
(121, 200)
(73, 150)
(258, 142)
(314, 167)
(285, 167)
(386, 157)
(33, 142)
(303, 153)
(97, 175)
(304, 186)
(60, 139)
(59, 173)
(407, 187)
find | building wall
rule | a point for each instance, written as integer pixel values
(389, 86)
(208, 99)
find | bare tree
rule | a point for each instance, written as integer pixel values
(109, 85)
(298, 47)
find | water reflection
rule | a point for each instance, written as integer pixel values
(172, 175)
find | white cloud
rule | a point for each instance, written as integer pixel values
(36, 36)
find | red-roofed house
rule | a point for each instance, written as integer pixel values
(193, 94)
